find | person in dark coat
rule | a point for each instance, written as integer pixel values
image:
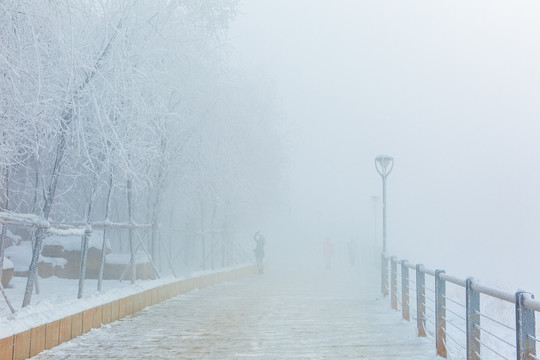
(259, 251)
(328, 249)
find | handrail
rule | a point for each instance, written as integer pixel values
(496, 293)
(525, 308)
(532, 304)
(453, 279)
(428, 271)
(409, 265)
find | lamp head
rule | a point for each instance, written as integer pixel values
(384, 164)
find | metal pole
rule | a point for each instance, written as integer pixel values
(384, 213)
(420, 301)
(384, 165)
(405, 291)
(525, 328)
(384, 274)
(440, 314)
(473, 321)
(374, 200)
(393, 282)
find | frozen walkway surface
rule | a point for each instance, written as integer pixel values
(318, 315)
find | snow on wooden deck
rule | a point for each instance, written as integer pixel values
(279, 315)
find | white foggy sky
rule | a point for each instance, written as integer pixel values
(450, 89)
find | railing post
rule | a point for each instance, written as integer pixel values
(420, 301)
(440, 314)
(384, 274)
(405, 291)
(393, 282)
(473, 321)
(525, 328)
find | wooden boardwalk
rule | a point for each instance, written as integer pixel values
(319, 314)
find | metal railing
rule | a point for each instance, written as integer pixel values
(479, 335)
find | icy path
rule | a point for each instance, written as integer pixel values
(322, 315)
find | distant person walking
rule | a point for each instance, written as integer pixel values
(259, 251)
(352, 250)
(328, 252)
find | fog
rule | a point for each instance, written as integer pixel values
(449, 89)
(211, 120)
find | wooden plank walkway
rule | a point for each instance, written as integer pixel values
(320, 314)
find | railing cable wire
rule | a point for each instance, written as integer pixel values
(495, 336)
(455, 326)
(492, 350)
(454, 341)
(456, 314)
(495, 321)
(533, 338)
(455, 302)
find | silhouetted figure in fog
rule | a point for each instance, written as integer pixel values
(259, 251)
(328, 252)
(352, 250)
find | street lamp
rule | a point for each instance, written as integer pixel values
(375, 203)
(384, 165)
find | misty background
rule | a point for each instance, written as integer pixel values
(207, 121)
(449, 89)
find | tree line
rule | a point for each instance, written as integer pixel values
(130, 111)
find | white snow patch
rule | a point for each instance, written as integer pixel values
(20, 255)
(7, 264)
(66, 232)
(62, 302)
(54, 261)
(72, 242)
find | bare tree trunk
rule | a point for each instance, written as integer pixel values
(153, 243)
(167, 254)
(212, 235)
(49, 197)
(87, 232)
(104, 244)
(223, 230)
(203, 264)
(131, 245)
(162, 172)
(35, 210)
(84, 256)
(6, 299)
(4, 226)
(67, 117)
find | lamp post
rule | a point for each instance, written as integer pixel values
(375, 203)
(384, 165)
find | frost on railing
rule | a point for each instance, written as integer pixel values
(30, 220)
(466, 319)
(77, 229)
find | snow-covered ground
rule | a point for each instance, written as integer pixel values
(280, 301)
(58, 298)
(317, 314)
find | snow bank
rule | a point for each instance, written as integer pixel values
(65, 232)
(73, 242)
(64, 303)
(20, 255)
(54, 261)
(7, 264)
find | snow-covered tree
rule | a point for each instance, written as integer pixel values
(99, 100)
